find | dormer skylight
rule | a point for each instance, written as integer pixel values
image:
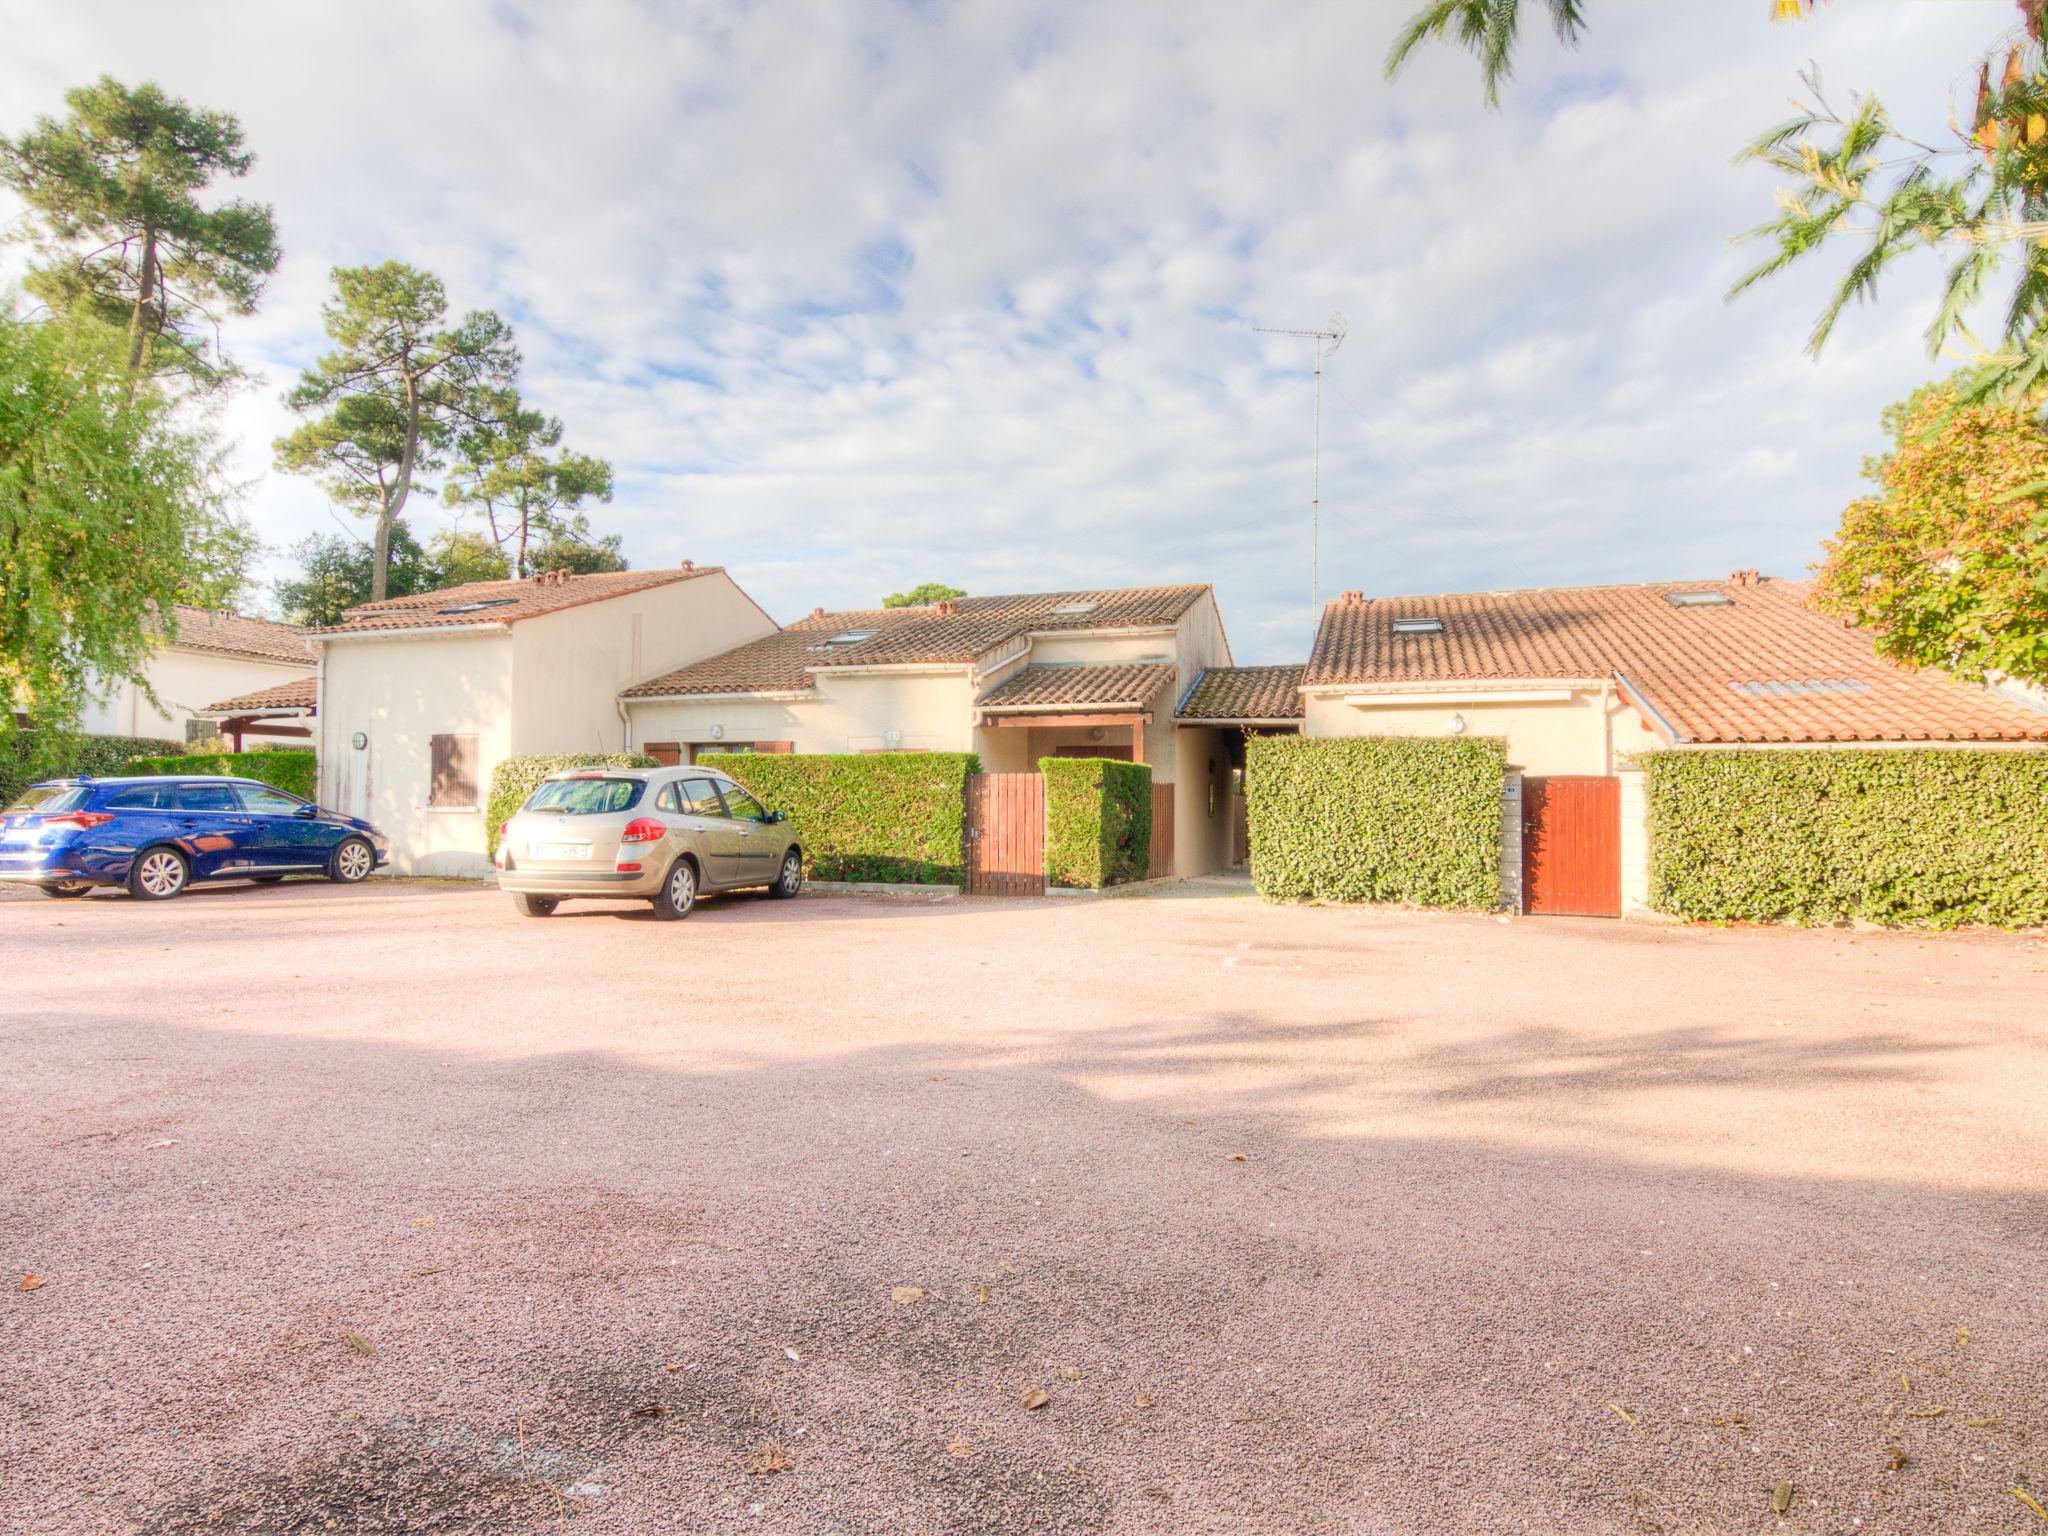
(1077, 607)
(845, 638)
(1699, 599)
(1418, 626)
(479, 605)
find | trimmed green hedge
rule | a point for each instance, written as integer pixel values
(515, 779)
(97, 756)
(296, 772)
(891, 816)
(1376, 818)
(1098, 821)
(1935, 837)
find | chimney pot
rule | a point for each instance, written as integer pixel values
(818, 613)
(689, 565)
(1747, 577)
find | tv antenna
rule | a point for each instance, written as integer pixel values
(1327, 339)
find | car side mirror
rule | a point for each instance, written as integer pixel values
(307, 811)
(778, 815)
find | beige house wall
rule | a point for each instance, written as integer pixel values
(185, 683)
(401, 693)
(570, 666)
(930, 711)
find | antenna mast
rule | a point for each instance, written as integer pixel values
(1328, 339)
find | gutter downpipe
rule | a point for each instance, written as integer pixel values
(626, 725)
(1649, 710)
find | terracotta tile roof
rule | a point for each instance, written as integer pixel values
(234, 634)
(1044, 686)
(300, 693)
(1244, 693)
(1764, 667)
(961, 631)
(506, 602)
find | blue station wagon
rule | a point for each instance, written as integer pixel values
(158, 835)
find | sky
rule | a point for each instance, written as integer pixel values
(859, 295)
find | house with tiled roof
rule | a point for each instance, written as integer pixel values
(1580, 682)
(421, 697)
(1014, 678)
(200, 655)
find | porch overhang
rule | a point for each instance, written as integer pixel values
(1136, 720)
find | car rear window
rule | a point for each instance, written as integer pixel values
(207, 797)
(137, 797)
(49, 800)
(587, 797)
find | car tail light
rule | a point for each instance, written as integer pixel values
(627, 869)
(643, 829)
(85, 821)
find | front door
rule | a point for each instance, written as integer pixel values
(1571, 846)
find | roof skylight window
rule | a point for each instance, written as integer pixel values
(479, 605)
(1418, 626)
(1076, 607)
(1699, 599)
(1797, 687)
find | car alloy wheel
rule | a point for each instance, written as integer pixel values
(792, 878)
(160, 875)
(353, 861)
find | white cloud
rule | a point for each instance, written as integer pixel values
(856, 296)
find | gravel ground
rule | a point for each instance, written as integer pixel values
(385, 1210)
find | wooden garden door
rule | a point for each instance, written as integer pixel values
(1571, 846)
(1005, 834)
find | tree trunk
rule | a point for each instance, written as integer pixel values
(394, 503)
(138, 333)
(519, 565)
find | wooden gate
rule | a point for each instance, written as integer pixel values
(1005, 834)
(1161, 862)
(1571, 846)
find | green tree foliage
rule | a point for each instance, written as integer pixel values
(923, 593)
(512, 465)
(1376, 818)
(391, 396)
(110, 512)
(460, 556)
(337, 573)
(1931, 837)
(1098, 821)
(1949, 562)
(1978, 200)
(571, 546)
(114, 211)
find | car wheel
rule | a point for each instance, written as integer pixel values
(791, 880)
(535, 906)
(62, 891)
(158, 874)
(678, 892)
(351, 861)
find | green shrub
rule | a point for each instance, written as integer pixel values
(295, 772)
(892, 816)
(1904, 836)
(21, 764)
(1098, 821)
(1376, 818)
(515, 779)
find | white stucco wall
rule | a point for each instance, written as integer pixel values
(185, 683)
(932, 711)
(400, 694)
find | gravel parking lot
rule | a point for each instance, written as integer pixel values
(385, 1210)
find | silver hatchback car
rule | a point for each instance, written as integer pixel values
(655, 834)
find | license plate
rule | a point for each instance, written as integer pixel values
(561, 850)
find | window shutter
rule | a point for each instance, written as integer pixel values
(666, 753)
(775, 746)
(454, 772)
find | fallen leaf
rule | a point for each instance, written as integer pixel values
(1142, 1400)
(1905, 1382)
(1983, 1423)
(423, 1221)
(1625, 1414)
(1239, 1157)
(1899, 1457)
(904, 1295)
(1158, 1493)
(421, 1274)
(981, 1295)
(648, 1411)
(673, 1365)
(1037, 1398)
(770, 1459)
(1962, 1335)
(169, 1141)
(958, 1448)
(790, 1354)
(2030, 1501)
(1926, 1413)
(1781, 1497)
(1072, 1373)
(32, 1282)
(359, 1344)
(1009, 1268)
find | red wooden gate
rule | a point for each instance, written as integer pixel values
(1571, 846)
(1161, 851)
(1005, 834)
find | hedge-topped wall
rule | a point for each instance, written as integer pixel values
(1376, 818)
(1907, 836)
(899, 817)
(295, 771)
(515, 779)
(1098, 821)
(21, 764)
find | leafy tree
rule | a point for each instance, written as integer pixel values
(111, 511)
(510, 466)
(571, 546)
(1852, 174)
(335, 575)
(112, 194)
(460, 557)
(921, 594)
(398, 386)
(1949, 562)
